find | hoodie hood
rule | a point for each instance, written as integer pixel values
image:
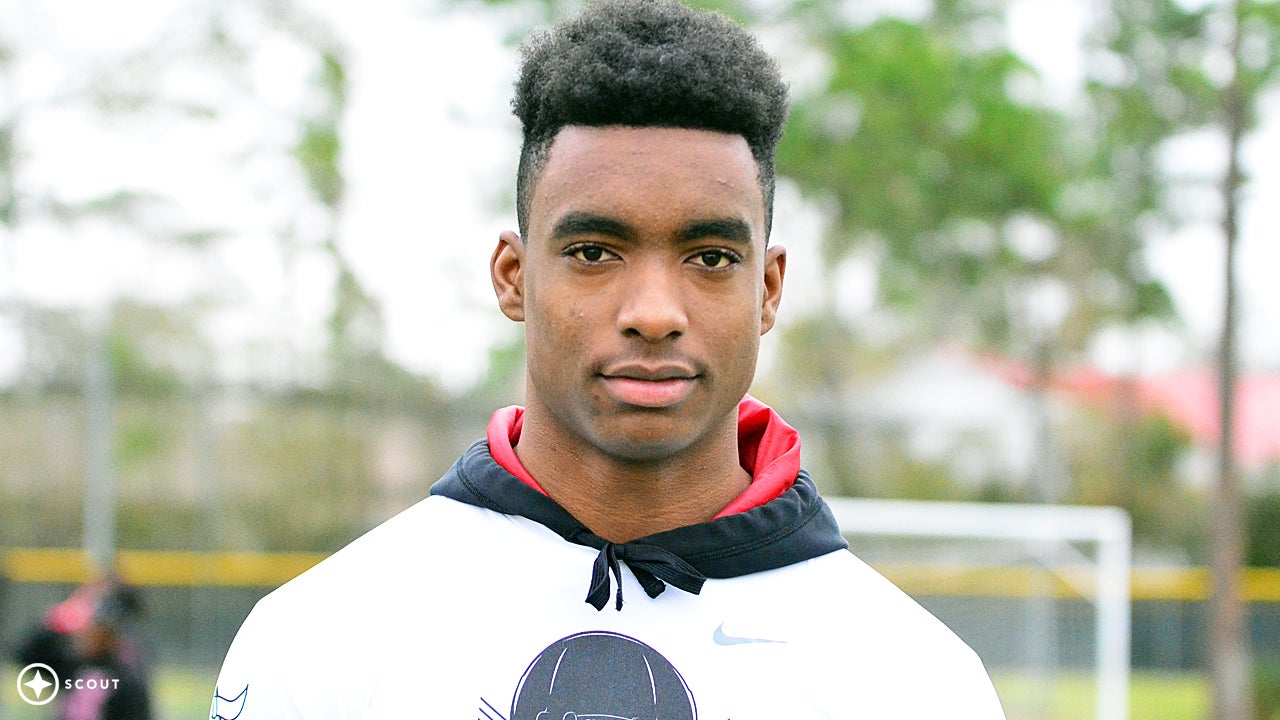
(780, 520)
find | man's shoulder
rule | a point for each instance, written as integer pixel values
(843, 592)
(394, 581)
(866, 633)
(401, 558)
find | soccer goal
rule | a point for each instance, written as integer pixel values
(1041, 592)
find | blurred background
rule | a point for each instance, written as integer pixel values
(245, 312)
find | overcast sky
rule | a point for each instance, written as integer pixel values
(429, 149)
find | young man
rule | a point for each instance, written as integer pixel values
(638, 476)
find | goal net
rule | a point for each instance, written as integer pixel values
(1041, 592)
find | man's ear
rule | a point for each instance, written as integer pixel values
(506, 269)
(775, 269)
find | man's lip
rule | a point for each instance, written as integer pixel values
(655, 393)
(650, 373)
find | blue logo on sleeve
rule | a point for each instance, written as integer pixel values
(227, 708)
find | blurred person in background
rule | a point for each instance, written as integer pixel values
(90, 640)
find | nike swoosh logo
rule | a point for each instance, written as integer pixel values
(721, 639)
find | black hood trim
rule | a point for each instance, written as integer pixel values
(792, 528)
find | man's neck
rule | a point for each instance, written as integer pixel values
(621, 500)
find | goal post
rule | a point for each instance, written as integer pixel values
(1085, 552)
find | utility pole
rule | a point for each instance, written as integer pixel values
(99, 524)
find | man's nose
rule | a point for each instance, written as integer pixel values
(653, 306)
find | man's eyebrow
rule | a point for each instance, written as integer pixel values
(731, 229)
(583, 223)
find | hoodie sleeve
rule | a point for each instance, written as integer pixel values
(283, 665)
(259, 677)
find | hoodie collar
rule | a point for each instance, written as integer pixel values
(768, 449)
(780, 520)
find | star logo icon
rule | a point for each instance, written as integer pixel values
(34, 682)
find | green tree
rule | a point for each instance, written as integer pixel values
(1161, 58)
(201, 74)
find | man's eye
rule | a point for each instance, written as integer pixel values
(715, 259)
(589, 253)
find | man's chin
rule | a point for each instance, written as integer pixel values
(655, 443)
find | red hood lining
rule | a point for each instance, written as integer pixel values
(768, 449)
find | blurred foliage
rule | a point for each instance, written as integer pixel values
(160, 524)
(320, 149)
(1266, 686)
(994, 219)
(919, 150)
(39, 519)
(308, 481)
(153, 351)
(227, 469)
(503, 382)
(1119, 458)
(285, 458)
(355, 324)
(898, 473)
(1262, 522)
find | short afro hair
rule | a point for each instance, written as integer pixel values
(647, 63)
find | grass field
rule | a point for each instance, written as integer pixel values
(1152, 696)
(183, 694)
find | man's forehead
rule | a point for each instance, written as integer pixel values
(593, 139)
(645, 173)
(585, 159)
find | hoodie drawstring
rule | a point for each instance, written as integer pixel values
(651, 564)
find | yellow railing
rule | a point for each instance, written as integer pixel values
(1187, 584)
(245, 569)
(163, 568)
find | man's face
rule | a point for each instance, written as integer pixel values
(644, 284)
